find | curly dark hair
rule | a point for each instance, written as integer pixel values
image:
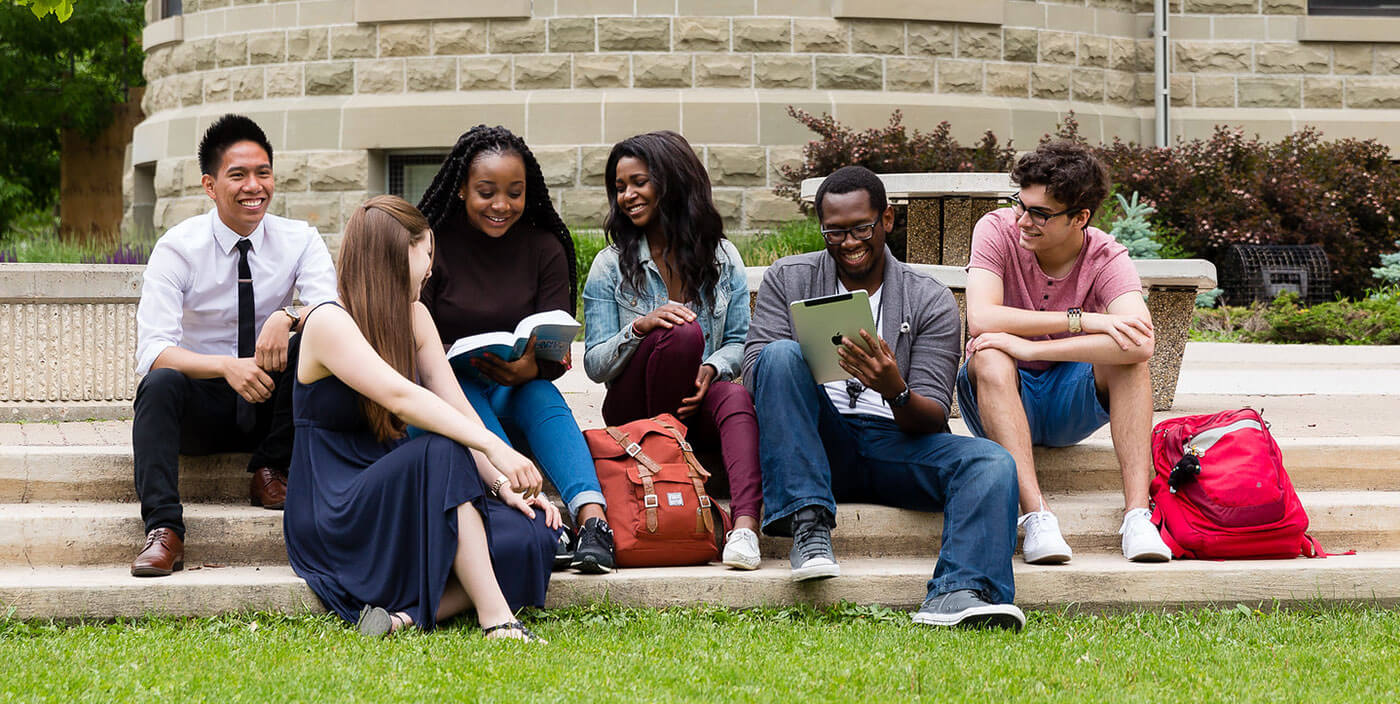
(443, 194)
(685, 206)
(1070, 173)
(224, 133)
(849, 179)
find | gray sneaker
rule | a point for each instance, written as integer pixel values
(968, 608)
(811, 556)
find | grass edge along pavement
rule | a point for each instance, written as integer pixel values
(843, 652)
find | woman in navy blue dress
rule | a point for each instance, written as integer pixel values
(391, 532)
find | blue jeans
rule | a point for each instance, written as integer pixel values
(544, 426)
(813, 456)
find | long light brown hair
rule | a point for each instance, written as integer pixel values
(373, 281)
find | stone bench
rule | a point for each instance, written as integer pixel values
(940, 210)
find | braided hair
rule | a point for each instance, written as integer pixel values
(444, 193)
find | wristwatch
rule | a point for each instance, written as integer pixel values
(900, 400)
(1075, 316)
(292, 313)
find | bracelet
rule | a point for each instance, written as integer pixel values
(632, 329)
(496, 485)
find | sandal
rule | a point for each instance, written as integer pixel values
(526, 634)
(377, 622)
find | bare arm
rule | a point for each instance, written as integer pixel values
(1093, 347)
(335, 346)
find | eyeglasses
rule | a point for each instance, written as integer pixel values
(1039, 217)
(860, 232)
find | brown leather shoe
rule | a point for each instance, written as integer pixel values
(163, 554)
(268, 489)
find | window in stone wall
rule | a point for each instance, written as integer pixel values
(170, 8)
(411, 174)
(1354, 7)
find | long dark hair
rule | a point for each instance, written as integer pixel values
(372, 279)
(684, 205)
(443, 195)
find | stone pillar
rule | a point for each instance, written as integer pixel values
(940, 228)
(1171, 308)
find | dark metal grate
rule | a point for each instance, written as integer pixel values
(1259, 272)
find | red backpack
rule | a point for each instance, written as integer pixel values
(658, 509)
(1221, 492)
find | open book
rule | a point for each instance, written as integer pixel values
(554, 331)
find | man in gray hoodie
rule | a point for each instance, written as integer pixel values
(882, 435)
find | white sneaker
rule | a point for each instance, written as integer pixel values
(741, 549)
(1141, 541)
(1043, 544)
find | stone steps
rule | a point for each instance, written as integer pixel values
(102, 472)
(94, 534)
(1094, 582)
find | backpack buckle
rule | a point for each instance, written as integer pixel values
(650, 501)
(704, 501)
(685, 446)
(632, 449)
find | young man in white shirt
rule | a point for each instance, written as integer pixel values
(214, 340)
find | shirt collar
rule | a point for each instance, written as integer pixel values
(226, 238)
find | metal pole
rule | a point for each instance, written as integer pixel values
(1162, 127)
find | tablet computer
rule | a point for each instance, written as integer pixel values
(821, 322)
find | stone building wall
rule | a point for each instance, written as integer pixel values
(340, 84)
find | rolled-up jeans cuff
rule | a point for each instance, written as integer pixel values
(583, 498)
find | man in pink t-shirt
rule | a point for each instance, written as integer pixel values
(1059, 341)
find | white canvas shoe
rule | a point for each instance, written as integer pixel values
(1141, 541)
(741, 549)
(1043, 544)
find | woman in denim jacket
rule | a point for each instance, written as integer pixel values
(666, 309)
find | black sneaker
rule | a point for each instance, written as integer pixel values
(594, 552)
(968, 608)
(564, 550)
(811, 556)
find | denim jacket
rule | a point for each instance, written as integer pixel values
(610, 306)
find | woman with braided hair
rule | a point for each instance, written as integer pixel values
(503, 254)
(666, 311)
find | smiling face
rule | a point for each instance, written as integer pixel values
(420, 263)
(1059, 233)
(241, 187)
(636, 191)
(859, 264)
(494, 192)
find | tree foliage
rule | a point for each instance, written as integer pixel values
(62, 9)
(57, 74)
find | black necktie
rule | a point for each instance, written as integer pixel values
(247, 418)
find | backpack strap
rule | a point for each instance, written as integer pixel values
(646, 467)
(704, 518)
(1312, 548)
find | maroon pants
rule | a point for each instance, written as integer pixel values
(660, 374)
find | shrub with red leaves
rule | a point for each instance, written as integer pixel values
(888, 150)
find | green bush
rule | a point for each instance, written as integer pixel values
(1373, 320)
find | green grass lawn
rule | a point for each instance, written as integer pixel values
(843, 653)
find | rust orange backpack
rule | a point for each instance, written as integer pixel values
(655, 488)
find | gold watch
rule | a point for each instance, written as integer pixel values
(1076, 315)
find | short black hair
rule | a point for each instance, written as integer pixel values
(224, 133)
(1069, 171)
(849, 179)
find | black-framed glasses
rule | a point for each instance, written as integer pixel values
(860, 232)
(1039, 216)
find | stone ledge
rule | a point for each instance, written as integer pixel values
(170, 30)
(923, 10)
(422, 10)
(1348, 29)
(1093, 582)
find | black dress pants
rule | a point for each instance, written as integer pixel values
(178, 415)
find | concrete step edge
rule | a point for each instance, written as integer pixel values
(110, 533)
(1092, 582)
